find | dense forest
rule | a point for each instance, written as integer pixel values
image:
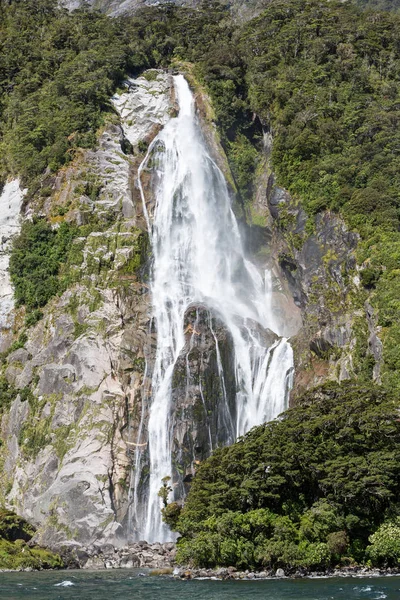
(323, 78)
(317, 488)
(57, 73)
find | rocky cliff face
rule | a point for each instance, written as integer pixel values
(114, 8)
(66, 449)
(316, 258)
(10, 208)
(81, 375)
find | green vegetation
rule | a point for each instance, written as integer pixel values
(324, 79)
(318, 487)
(13, 527)
(57, 74)
(35, 432)
(35, 262)
(15, 553)
(7, 395)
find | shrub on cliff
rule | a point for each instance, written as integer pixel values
(305, 490)
(14, 551)
(13, 527)
(36, 257)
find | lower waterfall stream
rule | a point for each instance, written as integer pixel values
(198, 259)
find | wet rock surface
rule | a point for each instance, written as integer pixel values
(314, 261)
(159, 559)
(229, 573)
(204, 404)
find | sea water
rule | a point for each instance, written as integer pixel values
(135, 585)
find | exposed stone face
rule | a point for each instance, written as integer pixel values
(204, 390)
(146, 107)
(375, 346)
(70, 446)
(203, 401)
(113, 8)
(66, 458)
(10, 207)
(315, 261)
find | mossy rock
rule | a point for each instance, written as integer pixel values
(18, 555)
(13, 527)
(15, 532)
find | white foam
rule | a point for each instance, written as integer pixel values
(65, 583)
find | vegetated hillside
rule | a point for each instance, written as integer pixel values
(321, 78)
(58, 71)
(312, 85)
(316, 488)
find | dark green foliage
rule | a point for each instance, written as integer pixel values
(13, 527)
(15, 553)
(369, 277)
(33, 317)
(305, 490)
(243, 158)
(18, 555)
(7, 394)
(171, 513)
(57, 73)
(35, 261)
(165, 490)
(328, 89)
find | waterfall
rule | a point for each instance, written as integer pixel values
(199, 259)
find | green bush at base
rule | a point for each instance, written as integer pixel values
(314, 488)
(15, 553)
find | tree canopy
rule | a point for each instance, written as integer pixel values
(308, 489)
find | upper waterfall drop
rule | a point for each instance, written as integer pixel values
(199, 260)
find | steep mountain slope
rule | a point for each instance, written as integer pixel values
(69, 468)
(302, 122)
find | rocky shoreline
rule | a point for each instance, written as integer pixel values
(106, 556)
(232, 573)
(159, 559)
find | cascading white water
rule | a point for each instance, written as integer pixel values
(199, 259)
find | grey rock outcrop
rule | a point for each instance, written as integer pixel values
(66, 441)
(114, 8)
(314, 259)
(10, 207)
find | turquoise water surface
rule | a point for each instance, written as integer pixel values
(126, 585)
